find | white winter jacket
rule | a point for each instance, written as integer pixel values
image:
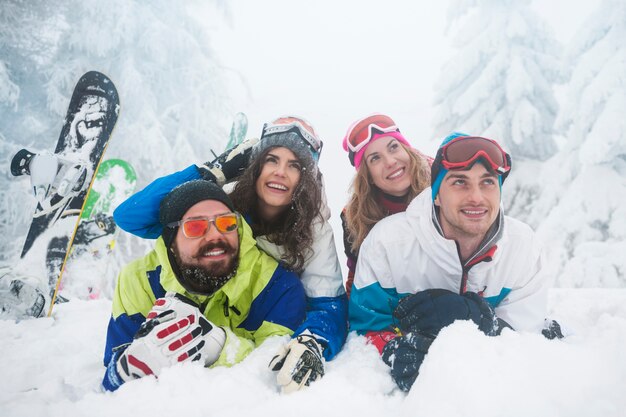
(321, 276)
(405, 253)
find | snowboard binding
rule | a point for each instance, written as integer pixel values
(20, 298)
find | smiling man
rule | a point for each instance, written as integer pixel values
(206, 293)
(452, 255)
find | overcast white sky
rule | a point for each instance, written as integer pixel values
(332, 62)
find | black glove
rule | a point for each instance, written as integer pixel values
(405, 355)
(431, 310)
(228, 165)
(552, 330)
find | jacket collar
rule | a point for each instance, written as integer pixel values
(392, 204)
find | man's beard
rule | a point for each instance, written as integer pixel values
(207, 280)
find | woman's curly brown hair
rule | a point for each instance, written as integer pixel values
(363, 211)
(293, 229)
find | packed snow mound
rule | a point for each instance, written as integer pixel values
(464, 374)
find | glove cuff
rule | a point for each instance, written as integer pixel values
(311, 342)
(119, 366)
(218, 338)
(112, 378)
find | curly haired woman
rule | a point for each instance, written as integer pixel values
(279, 192)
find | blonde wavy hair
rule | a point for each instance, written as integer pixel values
(363, 211)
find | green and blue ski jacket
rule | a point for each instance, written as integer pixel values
(263, 299)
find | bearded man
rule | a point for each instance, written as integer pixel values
(205, 293)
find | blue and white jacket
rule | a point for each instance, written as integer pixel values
(327, 303)
(406, 253)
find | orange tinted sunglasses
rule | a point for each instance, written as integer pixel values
(197, 227)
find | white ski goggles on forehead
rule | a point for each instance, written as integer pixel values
(299, 126)
(362, 131)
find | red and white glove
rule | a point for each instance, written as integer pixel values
(175, 331)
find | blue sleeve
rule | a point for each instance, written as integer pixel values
(119, 333)
(139, 214)
(282, 301)
(327, 318)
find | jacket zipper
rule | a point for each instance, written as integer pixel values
(227, 309)
(486, 257)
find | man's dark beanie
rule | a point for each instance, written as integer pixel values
(182, 198)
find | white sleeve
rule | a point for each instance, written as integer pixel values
(322, 274)
(525, 307)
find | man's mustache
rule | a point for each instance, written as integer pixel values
(214, 245)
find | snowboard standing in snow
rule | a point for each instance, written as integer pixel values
(115, 181)
(96, 233)
(91, 116)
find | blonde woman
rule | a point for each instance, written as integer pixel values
(390, 173)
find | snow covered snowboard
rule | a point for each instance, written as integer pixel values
(91, 116)
(115, 181)
(87, 270)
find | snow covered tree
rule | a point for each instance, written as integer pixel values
(499, 84)
(173, 104)
(582, 210)
(27, 38)
(158, 54)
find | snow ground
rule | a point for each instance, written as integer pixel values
(53, 367)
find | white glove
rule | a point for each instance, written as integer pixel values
(298, 363)
(175, 331)
(43, 170)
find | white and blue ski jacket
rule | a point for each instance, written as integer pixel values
(327, 304)
(405, 253)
